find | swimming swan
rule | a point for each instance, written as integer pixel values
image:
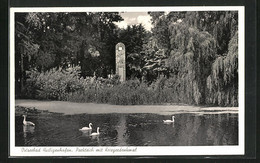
(95, 133)
(86, 128)
(169, 121)
(27, 123)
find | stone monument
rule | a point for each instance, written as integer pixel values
(120, 61)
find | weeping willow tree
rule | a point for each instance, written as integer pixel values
(201, 54)
(191, 57)
(222, 25)
(222, 83)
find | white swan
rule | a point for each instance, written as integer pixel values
(86, 128)
(95, 133)
(169, 121)
(27, 123)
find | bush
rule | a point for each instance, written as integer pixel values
(131, 92)
(54, 84)
(66, 85)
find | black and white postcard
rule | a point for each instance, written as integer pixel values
(127, 81)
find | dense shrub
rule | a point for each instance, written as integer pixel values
(131, 92)
(66, 85)
(54, 84)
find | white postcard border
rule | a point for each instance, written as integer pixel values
(130, 150)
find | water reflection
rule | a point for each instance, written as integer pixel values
(27, 129)
(86, 133)
(95, 138)
(170, 124)
(122, 135)
(129, 130)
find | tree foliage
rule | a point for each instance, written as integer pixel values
(190, 60)
(155, 58)
(201, 54)
(223, 80)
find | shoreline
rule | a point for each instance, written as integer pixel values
(70, 108)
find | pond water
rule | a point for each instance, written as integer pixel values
(128, 130)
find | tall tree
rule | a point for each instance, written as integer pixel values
(25, 49)
(191, 58)
(154, 60)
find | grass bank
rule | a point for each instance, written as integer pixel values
(93, 108)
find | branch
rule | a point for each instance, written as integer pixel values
(22, 34)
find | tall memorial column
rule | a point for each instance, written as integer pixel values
(120, 61)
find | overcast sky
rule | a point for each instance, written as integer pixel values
(131, 18)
